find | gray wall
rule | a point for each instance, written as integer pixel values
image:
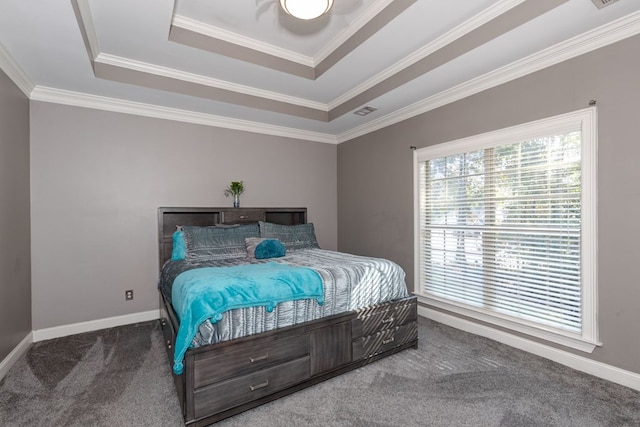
(98, 179)
(15, 257)
(375, 204)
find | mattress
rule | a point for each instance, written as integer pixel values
(350, 282)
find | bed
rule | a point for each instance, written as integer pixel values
(250, 355)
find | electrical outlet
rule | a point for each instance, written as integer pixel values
(128, 295)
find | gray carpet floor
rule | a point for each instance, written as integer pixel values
(121, 377)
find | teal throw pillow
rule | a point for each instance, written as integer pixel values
(270, 248)
(179, 250)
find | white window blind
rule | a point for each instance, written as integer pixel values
(500, 225)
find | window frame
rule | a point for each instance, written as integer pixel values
(584, 120)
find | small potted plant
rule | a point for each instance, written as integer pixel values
(235, 189)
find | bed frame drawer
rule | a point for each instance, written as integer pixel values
(246, 357)
(236, 391)
(384, 340)
(385, 316)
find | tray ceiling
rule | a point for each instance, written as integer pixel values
(245, 64)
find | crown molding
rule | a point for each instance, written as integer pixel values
(197, 34)
(77, 99)
(240, 40)
(193, 25)
(597, 38)
(471, 24)
(600, 37)
(145, 67)
(15, 73)
(607, 34)
(341, 38)
(87, 27)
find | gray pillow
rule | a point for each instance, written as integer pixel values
(301, 236)
(204, 243)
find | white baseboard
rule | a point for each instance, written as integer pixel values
(15, 354)
(94, 325)
(580, 363)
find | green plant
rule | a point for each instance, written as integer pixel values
(234, 189)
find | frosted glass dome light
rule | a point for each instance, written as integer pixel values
(306, 9)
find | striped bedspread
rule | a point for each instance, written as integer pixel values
(350, 282)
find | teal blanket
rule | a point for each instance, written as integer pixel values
(206, 293)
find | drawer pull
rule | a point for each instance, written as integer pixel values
(389, 340)
(259, 358)
(259, 386)
(243, 217)
(388, 320)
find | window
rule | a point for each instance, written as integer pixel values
(505, 228)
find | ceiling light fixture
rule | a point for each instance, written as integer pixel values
(306, 9)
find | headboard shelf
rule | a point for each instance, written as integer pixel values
(170, 217)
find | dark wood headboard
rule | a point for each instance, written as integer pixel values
(169, 218)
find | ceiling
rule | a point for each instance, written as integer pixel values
(245, 64)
